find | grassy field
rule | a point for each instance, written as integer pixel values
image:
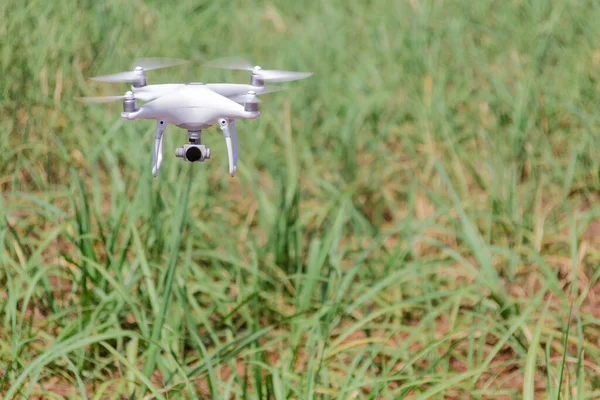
(419, 219)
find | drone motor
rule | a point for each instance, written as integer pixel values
(255, 78)
(140, 80)
(251, 102)
(129, 102)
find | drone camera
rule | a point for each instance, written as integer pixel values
(193, 152)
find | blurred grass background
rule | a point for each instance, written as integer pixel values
(419, 219)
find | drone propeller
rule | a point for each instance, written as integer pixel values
(250, 97)
(150, 63)
(265, 75)
(101, 99)
(137, 74)
(271, 89)
(129, 100)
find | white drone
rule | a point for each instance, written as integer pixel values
(194, 106)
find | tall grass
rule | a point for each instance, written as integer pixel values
(418, 219)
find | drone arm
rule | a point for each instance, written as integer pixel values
(231, 140)
(158, 146)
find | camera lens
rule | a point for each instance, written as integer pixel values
(193, 154)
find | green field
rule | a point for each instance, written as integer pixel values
(418, 219)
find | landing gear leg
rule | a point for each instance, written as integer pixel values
(158, 146)
(231, 140)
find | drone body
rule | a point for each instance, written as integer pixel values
(194, 106)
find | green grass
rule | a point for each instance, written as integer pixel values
(419, 219)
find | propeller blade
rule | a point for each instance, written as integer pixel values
(268, 89)
(128, 76)
(247, 98)
(273, 75)
(102, 99)
(148, 64)
(268, 75)
(230, 63)
(271, 89)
